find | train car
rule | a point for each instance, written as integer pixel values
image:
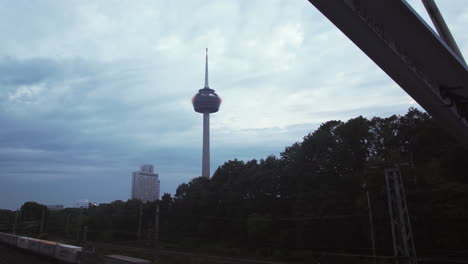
(68, 253)
(4, 237)
(63, 252)
(9, 239)
(22, 242)
(34, 245)
(43, 247)
(47, 248)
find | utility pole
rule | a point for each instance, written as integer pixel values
(84, 244)
(403, 243)
(156, 235)
(15, 224)
(41, 230)
(156, 227)
(67, 226)
(140, 221)
(78, 229)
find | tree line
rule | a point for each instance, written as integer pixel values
(309, 198)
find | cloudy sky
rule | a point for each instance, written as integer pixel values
(90, 90)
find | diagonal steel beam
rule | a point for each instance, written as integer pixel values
(393, 35)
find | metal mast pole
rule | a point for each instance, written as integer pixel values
(206, 69)
(78, 228)
(403, 243)
(41, 230)
(156, 227)
(15, 224)
(140, 218)
(67, 226)
(84, 244)
(371, 220)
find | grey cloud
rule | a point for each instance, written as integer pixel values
(21, 72)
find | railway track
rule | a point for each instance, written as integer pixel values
(184, 256)
(322, 257)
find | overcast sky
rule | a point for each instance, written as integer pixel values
(90, 90)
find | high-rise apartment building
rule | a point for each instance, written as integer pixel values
(145, 184)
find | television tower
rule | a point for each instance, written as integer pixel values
(206, 101)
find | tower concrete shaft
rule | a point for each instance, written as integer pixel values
(206, 146)
(206, 101)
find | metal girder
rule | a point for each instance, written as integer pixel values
(392, 34)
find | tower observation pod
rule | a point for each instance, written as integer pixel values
(206, 101)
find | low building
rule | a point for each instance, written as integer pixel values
(84, 203)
